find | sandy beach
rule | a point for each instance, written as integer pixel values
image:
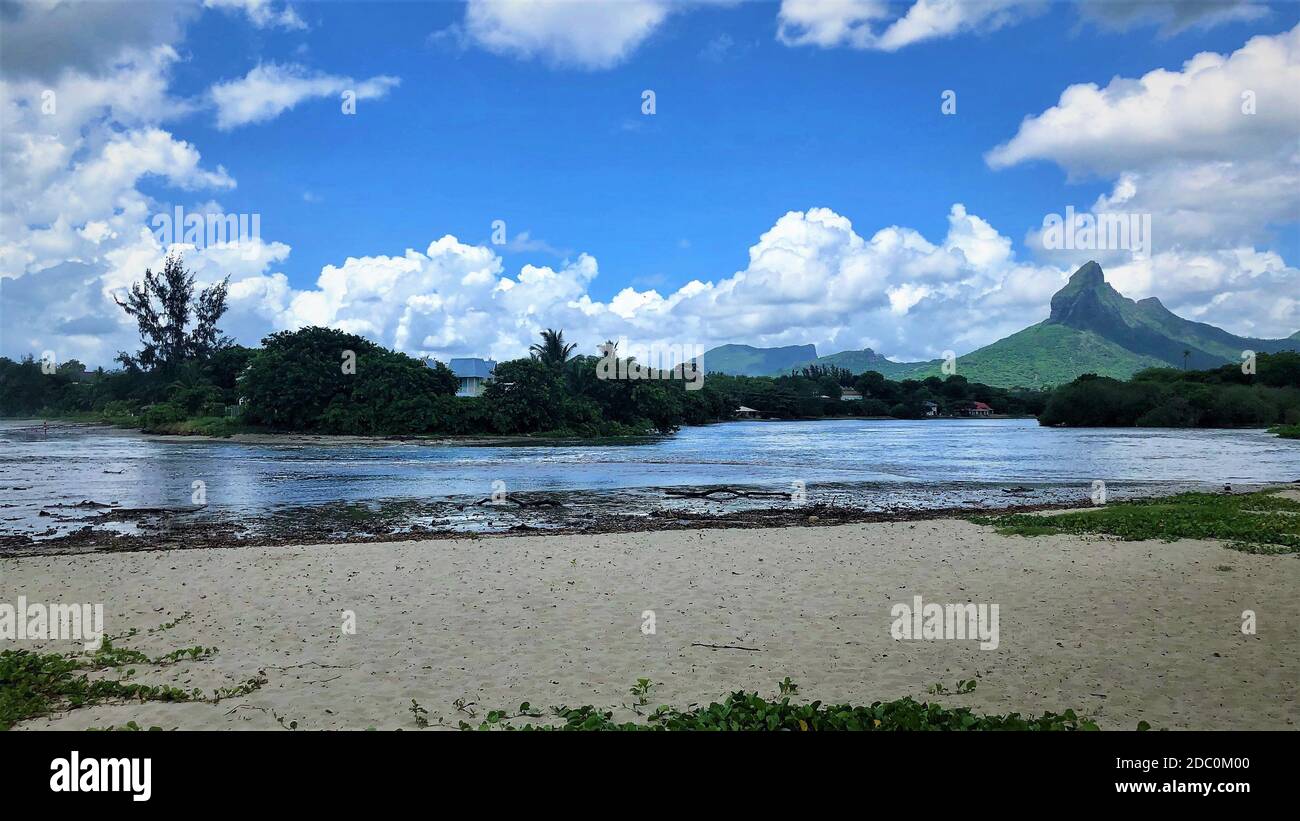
(1125, 631)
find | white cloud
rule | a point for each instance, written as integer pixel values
(1216, 180)
(1253, 292)
(810, 278)
(270, 89)
(879, 25)
(1181, 146)
(861, 24)
(570, 33)
(42, 39)
(1192, 114)
(1173, 16)
(262, 13)
(73, 224)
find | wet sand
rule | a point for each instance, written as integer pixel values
(1124, 631)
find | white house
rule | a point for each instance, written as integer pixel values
(472, 374)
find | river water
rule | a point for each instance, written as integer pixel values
(47, 482)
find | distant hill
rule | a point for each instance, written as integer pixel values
(867, 360)
(745, 360)
(1042, 355)
(1092, 329)
(1148, 328)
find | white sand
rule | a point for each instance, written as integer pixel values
(1124, 630)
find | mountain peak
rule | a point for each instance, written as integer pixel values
(1089, 275)
(1084, 297)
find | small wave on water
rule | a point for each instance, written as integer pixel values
(873, 466)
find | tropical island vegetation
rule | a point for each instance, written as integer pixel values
(190, 378)
(1222, 397)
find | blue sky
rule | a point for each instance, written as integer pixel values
(751, 124)
(735, 142)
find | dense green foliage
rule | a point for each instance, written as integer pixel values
(742, 711)
(1166, 397)
(297, 382)
(816, 391)
(321, 379)
(1252, 522)
(151, 399)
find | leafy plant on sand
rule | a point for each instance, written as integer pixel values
(750, 711)
(1250, 522)
(38, 684)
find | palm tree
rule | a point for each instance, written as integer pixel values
(552, 350)
(1186, 353)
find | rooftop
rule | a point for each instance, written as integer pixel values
(472, 366)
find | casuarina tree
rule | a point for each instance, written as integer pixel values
(163, 306)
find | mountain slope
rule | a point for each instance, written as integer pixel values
(745, 360)
(868, 360)
(1092, 329)
(1148, 328)
(1045, 354)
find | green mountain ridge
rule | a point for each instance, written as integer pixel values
(865, 360)
(1092, 329)
(746, 360)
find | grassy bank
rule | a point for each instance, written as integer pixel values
(1251, 522)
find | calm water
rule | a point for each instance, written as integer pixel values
(935, 463)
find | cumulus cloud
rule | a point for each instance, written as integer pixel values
(74, 224)
(262, 13)
(1173, 16)
(862, 24)
(73, 152)
(1198, 113)
(1210, 151)
(811, 278)
(271, 89)
(41, 40)
(568, 33)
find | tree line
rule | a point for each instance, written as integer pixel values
(190, 378)
(1224, 397)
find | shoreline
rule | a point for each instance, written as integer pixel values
(1122, 631)
(542, 439)
(171, 529)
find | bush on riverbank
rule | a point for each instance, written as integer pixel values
(1169, 398)
(815, 392)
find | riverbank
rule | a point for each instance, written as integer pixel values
(252, 435)
(1124, 631)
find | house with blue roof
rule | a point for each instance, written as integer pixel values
(472, 374)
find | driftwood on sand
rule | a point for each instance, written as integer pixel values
(515, 500)
(725, 492)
